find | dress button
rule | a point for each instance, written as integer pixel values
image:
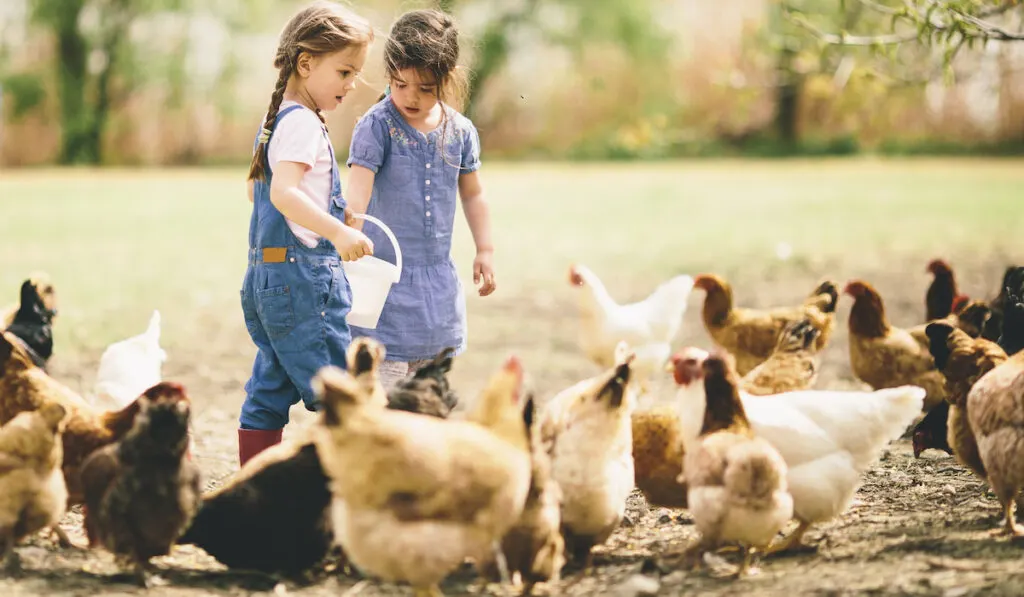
(428, 197)
(428, 181)
(428, 214)
(428, 165)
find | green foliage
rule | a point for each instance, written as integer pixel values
(27, 92)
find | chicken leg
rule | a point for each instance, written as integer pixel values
(11, 559)
(793, 542)
(431, 591)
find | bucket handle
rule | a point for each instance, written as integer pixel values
(391, 237)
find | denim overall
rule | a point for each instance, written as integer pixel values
(295, 300)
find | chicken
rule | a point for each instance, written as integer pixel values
(1011, 336)
(750, 334)
(931, 432)
(647, 326)
(426, 390)
(33, 495)
(587, 430)
(970, 316)
(272, 516)
(963, 360)
(44, 289)
(363, 357)
(736, 481)
(793, 365)
(994, 326)
(23, 386)
(828, 439)
(995, 412)
(32, 323)
(414, 496)
(129, 367)
(141, 492)
(534, 549)
(884, 356)
(658, 456)
(938, 300)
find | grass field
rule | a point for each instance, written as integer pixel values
(121, 243)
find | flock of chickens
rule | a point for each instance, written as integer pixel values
(400, 485)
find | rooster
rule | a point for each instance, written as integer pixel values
(942, 292)
(647, 326)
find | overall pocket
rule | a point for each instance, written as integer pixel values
(274, 306)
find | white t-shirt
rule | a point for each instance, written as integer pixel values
(299, 137)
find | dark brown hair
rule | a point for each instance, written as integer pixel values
(428, 41)
(321, 28)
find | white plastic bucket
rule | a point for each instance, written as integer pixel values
(371, 279)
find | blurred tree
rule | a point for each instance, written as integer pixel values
(628, 24)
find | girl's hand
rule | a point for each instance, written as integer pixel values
(351, 221)
(483, 271)
(352, 244)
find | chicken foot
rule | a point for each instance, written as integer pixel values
(501, 563)
(794, 542)
(11, 559)
(62, 538)
(1010, 526)
(431, 591)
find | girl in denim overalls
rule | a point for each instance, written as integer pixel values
(295, 296)
(410, 153)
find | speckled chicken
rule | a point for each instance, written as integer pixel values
(32, 491)
(751, 335)
(142, 492)
(426, 390)
(792, 366)
(736, 481)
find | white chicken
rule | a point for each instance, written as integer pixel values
(828, 438)
(129, 367)
(647, 326)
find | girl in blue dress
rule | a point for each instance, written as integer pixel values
(410, 154)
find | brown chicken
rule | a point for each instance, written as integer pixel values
(963, 361)
(658, 456)
(33, 495)
(736, 480)
(938, 299)
(23, 386)
(752, 334)
(885, 356)
(970, 316)
(995, 411)
(534, 549)
(792, 366)
(142, 491)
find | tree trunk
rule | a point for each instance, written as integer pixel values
(787, 98)
(76, 118)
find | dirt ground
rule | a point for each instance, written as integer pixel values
(917, 527)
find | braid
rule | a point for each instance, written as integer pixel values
(320, 115)
(256, 168)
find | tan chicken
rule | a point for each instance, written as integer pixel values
(752, 334)
(33, 495)
(658, 456)
(24, 387)
(647, 326)
(995, 411)
(414, 496)
(587, 430)
(792, 366)
(963, 361)
(736, 481)
(885, 356)
(363, 357)
(534, 549)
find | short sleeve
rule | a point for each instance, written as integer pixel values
(470, 151)
(367, 147)
(296, 138)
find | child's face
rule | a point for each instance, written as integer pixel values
(329, 77)
(414, 94)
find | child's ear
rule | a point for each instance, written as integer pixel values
(303, 64)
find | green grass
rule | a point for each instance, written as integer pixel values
(121, 243)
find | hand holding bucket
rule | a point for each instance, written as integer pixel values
(370, 279)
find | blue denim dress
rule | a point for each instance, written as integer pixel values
(295, 300)
(414, 193)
